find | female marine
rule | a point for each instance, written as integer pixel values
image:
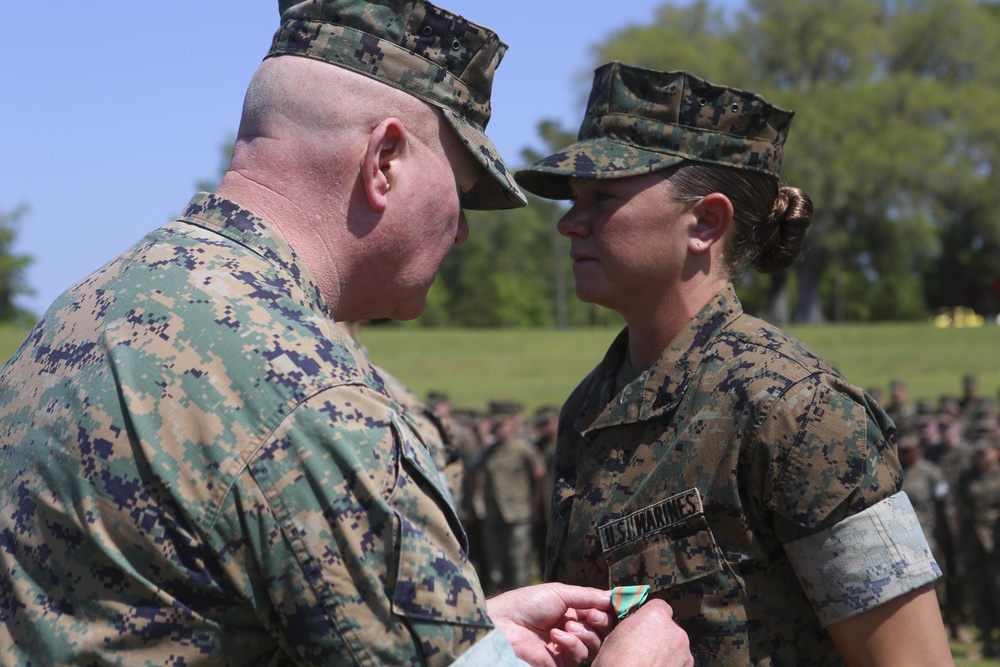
(711, 456)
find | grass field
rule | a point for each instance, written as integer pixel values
(542, 366)
(10, 337)
(539, 367)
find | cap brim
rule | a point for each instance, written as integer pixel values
(593, 159)
(496, 189)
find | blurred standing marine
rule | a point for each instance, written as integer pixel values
(900, 410)
(979, 514)
(927, 488)
(710, 455)
(970, 393)
(513, 470)
(546, 429)
(461, 447)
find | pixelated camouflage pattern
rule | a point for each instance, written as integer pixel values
(436, 436)
(693, 477)
(198, 467)
(417, 47)
(851, 567)
(640, 121)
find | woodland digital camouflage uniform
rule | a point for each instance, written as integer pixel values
(438, 439)
(728, 476)
(200, 468)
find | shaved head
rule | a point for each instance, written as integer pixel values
(325, 108)
(322, 150)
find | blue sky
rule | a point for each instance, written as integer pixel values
(113, 111)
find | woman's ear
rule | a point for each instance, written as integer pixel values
(713, 215)
(381, 159)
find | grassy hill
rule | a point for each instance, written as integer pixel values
(542, 366)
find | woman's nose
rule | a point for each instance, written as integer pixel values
(574, 223)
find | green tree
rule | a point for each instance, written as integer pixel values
(513, 270)
(895, 139)
(13, 269)
(501, 276)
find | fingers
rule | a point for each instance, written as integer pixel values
(576, 641)
(649, 636)
(595, 618)
(599, 620)
(580, 597)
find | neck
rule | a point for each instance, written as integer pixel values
(650, 331)
(298, 227)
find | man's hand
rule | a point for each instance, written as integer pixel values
(553, 625)
(649, 637)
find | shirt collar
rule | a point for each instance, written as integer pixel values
(659, 389)
(238, 224)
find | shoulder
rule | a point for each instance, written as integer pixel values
(771, 349)
(752, 368)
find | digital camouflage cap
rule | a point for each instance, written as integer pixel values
(640, 121)
(421, 49)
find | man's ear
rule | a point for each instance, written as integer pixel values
(385, 144)
(713, 215)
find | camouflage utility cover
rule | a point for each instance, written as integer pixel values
(640, 121)
(200, 468)
(417, 47)
(723, 476)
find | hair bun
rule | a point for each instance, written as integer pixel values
(789, 219)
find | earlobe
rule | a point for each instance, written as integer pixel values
(713, 215)
(381, 161)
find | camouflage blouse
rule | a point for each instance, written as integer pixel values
(745, 481)
(199, 468)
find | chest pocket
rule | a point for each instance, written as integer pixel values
(664, 545)
(435, 581)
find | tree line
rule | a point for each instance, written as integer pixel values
(13, 269)
(896, 138)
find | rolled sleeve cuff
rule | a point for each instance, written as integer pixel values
(493, 649)
(864, 561)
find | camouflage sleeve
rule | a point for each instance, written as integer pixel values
(833, 493)
(349, 551)
(825, 457)
(864, 561)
